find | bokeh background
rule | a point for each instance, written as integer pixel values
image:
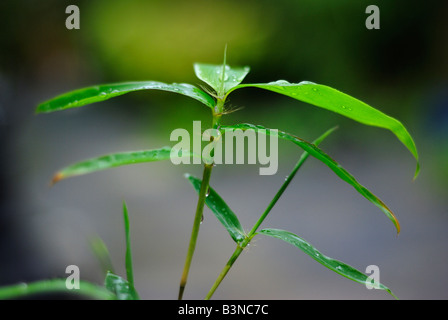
(400, 69)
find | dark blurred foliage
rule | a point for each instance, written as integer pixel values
(401, 69)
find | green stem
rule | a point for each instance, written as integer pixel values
(200, 207)
(225, 270)
(195, 231)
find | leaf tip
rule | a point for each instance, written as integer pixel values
(396, 223)
(56, 178)
(40, 108)
(417, 171)
(187, 175)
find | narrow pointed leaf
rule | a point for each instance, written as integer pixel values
(221, 210)
(341, 103)
(219, 78)
(120, 287)
(103, 92)
(119, 159)
(129, 269)
(322, 156)
(332, 264)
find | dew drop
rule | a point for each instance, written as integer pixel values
(306, 82)
(279, 82)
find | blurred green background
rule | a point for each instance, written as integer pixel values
(401, 69)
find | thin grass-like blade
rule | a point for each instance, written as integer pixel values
(332, 264)
(120, 287)
(343, 104)
(128, 259)
(322, 156)
(86, 289)
(118, 159)
(221, 210)
(84, 96)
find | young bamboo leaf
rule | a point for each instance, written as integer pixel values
(120, 287)
(219, 78)
(129, 269)
(341, 103)
(332, 264)
(98, 93)
(221, 210)
(119, 159)
(322, 156)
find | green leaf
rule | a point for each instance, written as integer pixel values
(119, 159)
(221, 210)
(219, 78)
(120, 287)
(322, 156)
(103, 92)
(332, 264)
(129, 269)
(86, 289)
(339, 102)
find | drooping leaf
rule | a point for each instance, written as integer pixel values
(332, 264)
(219, 78)
(53, 286)
(221, 210)
(341, 103)
(120, 287)
(103, 92)
(322, 156)
(128, 259)
(119, 159)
